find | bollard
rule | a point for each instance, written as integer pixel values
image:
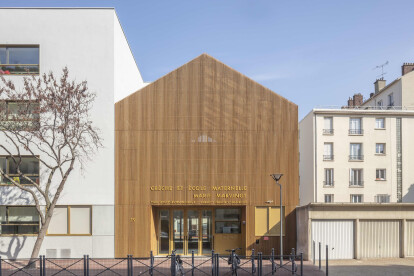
(84, 265)
(192, 262)
(151, 263)
(217, 264)
(273, 261)
(301, 264)
(40, 265)
(327, 253)
(313, 252)
(320, 256)
(293, 260)
(260, 266)
(252, 259)
(44, 265)
(173, 264)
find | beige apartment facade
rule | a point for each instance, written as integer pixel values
(362, 152)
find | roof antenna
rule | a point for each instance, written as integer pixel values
(382, 69)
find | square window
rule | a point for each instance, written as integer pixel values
(329, 198)
(380, 123)
(356, 198)
(382, 198)
(380, 174)
(380, 148)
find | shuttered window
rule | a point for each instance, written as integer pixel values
(267, 221)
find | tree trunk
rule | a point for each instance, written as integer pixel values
(41, 235)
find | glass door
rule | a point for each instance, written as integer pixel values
(206, 232)
(193, 231)
(178, 231)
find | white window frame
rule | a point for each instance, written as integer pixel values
(328, 130)
(377, 147)
(356, 175)
(379, 198)
(383, 123)
(330, 197)
(329, 182)
(380, 174)
(391, 99)
(353, 196)
(355, 153)
(328, 155)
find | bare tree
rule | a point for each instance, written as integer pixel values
(47, 120)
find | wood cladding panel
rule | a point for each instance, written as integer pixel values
(203, 124)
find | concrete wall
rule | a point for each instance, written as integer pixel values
(306, 160)
(90, 42)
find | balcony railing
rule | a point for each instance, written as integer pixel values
(328, 157)
(356, 158)
(382, 198)
(356, 132)
(19, 69)
(328, 183)
(356, 183)
(328, 131)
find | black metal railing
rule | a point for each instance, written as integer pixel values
(328, 157)
(356, 157)
(356, 183)
(174, 265)
(356, 131)
(328, 131)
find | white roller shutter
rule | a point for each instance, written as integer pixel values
(337, 234)
(410, 237)
(379, 238)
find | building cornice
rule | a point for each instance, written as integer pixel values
(364, 112)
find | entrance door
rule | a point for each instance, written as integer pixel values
(191, 230)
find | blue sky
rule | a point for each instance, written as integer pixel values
(314, 53)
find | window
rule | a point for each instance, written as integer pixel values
(380, 123)
(390, 100)
(356, 178)
(267, 221)
(356, 198)
(382, 198)
(355, 152)
(22, 115)
(329, 177)
(380, 174)
(328, 125)
(380, 104)
(19, 220)
(18, 60)
(71, 220)
(328, 151)
(355, 126)
(29, 167)
(379, 148)
(329, 198)
(228, 221)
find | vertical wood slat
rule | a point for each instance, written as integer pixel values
(202, 124)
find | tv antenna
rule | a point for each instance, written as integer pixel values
(382, 69)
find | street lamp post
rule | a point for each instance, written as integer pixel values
(276, 177)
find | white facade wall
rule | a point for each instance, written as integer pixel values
(90, 42)
(306, 160)
(341, 164)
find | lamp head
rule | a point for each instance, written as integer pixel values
(276, 176)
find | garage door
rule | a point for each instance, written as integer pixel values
(410, 237)
(337, 234)
(379, 238)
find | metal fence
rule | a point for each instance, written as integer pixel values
(174, 265)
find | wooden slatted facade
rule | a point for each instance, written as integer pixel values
(203, 125)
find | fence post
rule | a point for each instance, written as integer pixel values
(151, 263)
(327, 253)
(129, 265)
(313, 252)
(40, 265)
(320, 256)
(253, 267)
(212, 262)
(261, 266)
(192, 262)
(292, 253)
(301, 264)
(84, 265)
(173, 264)
(44, 265)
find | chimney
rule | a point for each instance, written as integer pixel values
(371, 95)
(379, 85)
(407, 68)
(358, 99)
(350, 102)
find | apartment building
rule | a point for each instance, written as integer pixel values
(91, 43)
(363, 151)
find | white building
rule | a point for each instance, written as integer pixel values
(91, 43)
(363, 152)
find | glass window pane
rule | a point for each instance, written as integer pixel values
(23, 214)
(59, 222)
(23, 55)
(2, 55)
(2, 214)
(80, 220)
(29, 165)
(227, 227)
(164, 232)
(228, 214)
